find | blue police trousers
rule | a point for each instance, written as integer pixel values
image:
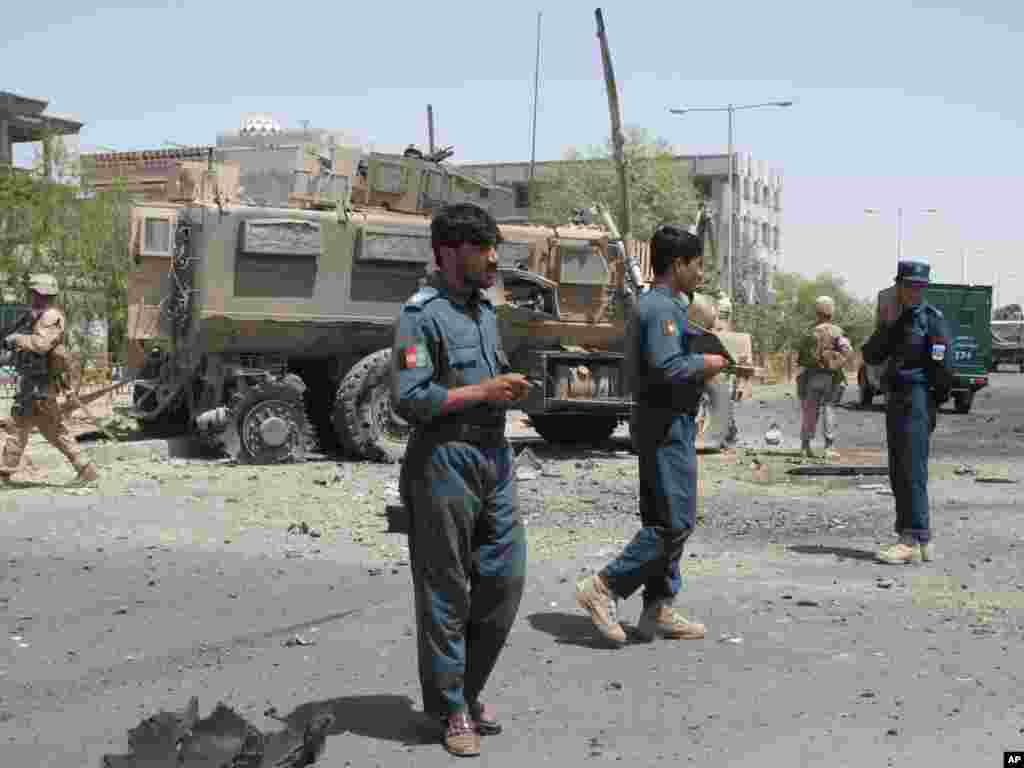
(468, 552)
(668, 509)
(908, 428)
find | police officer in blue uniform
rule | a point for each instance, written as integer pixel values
(917, 380)
(451, 381)
(667, 382)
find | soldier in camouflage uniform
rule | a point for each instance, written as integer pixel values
(467, 541)
(820, 358)
(35, 403)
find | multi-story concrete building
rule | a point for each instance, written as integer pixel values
(755, 196)
(23, 120)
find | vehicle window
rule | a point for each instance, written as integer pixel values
(582, 264)
(277, 259)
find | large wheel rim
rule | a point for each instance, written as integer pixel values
(387, 424)
(269, 431)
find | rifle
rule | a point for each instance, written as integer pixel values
(16, 326)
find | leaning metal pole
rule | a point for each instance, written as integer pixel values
(618, 140)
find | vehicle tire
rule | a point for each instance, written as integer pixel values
(364, 420)
(962, 401)
(267, 423)
(867, 395)
(574, 429)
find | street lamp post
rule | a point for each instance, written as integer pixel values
(730, 109)
(899, 226)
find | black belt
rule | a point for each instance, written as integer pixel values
(480, 435)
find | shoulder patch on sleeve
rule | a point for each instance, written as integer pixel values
(422, 297)
(413, 356)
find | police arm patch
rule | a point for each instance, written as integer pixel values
(668, 328)
(415, 356)
(938, 352)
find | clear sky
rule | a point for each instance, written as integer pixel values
(898, 103)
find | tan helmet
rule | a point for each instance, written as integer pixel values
(44, 285)
(703, 311)
(825, 305)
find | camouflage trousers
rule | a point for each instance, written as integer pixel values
(45, 416)
(468, 551)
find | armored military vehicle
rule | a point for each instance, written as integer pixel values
(281, 318)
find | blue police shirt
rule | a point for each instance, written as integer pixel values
(444, 341)
(661, 370)
(918, 341)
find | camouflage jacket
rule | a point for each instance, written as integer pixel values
(31, 352)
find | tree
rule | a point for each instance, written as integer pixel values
(661, 189)
(779, 327)
(1008, 312)
(50, 221)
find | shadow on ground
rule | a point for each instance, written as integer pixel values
(843, 553)
(385, 717)
(573, 629)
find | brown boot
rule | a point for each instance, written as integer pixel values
(660, 619)
(87, 474)
(460, 736)
(594, 597)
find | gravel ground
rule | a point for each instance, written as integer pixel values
(180, 577)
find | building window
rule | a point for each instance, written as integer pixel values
(522, 195)
(156, 237)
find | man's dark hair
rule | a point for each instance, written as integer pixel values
(669, 243)
(461, 223)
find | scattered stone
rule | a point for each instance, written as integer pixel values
(964, 469)
(613, 686)
(808, 603)
(892, 732)
(375, 571)
(297, 641)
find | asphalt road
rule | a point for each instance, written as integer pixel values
(815, 655)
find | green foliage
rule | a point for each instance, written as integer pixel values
(50, 221)
(661, 189)
(781, 326)
(1008, 312)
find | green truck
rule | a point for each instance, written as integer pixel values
(968, 310)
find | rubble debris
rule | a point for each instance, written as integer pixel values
(964, 469)
(297, 641)
(223, 738)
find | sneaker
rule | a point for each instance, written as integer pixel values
(901, 553)
(594, 597)
(660, 619)
(460, 736)
(805, 449)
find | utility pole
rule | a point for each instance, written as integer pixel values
(618, 140)
(430, 127)
(536, 92)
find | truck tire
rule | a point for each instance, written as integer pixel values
(364, 420)
(267, 423)
(574, 429)
(962, 401)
